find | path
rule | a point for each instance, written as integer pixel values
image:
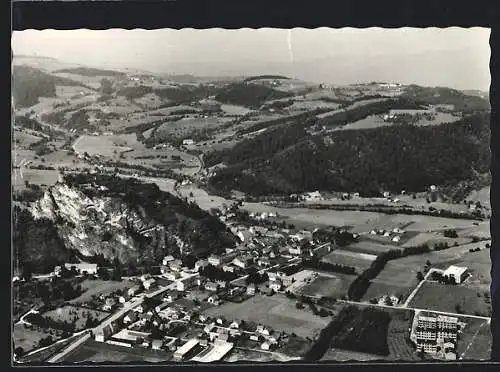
(419, 285)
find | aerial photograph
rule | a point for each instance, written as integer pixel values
(250, 195)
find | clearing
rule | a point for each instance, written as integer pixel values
(76, 315)
(451, 298)
(278, 312)
(98, 287)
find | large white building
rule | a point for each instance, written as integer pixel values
(457, 273)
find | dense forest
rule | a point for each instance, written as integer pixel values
(177, 95)
(249, 95)
(29, 84)
(287, 160)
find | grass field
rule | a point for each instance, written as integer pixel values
(397, 278)
(476, 344)
(360, 261)
(440, 297)
(98, 287)
(398, 336)
(340, 355)
(92, 351)
(34, 176)
(244, 355)
(27, 338)
(335, 285)
(277, 312)
(369, 247)
(234, 110)
(69, 313)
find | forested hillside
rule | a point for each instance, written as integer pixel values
(287, 160)
(249, 95)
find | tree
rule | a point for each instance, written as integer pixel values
(19, 351)
(428, 263)
(420, 276)
(388, 301)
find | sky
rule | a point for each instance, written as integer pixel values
(453, 57)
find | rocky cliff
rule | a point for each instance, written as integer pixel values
(108, 217)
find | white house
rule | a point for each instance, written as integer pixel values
(167, 259)
(82, 268)
(214, 260)
(188, 142)
(149, 283)
(457, 273)
(199, 264)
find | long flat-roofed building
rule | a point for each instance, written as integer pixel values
(457, 273)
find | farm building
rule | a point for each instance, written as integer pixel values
(216, 353)
(181, 352)
(82, 268)
(130, 337)
(457, 273)
(186, 283)
(104, 333)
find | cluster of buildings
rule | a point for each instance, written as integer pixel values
(437, 335)
(394, 235)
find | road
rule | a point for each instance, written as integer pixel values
(414, 292)
(125, 309)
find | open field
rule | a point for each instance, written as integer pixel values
(69, 313)
(34, 176)
(27, 338)
(340, 355)
(335, 285)
(106, 146)
(277, 312)
(360, 221)
(369, 247)
(92, 351)
(234, 110)
(399, 276)
(98, 287)
(476, 344)
(450, 298)
(398, 336)
(360, 261)
(432, 238)
(202, 198)
(246, 355)
(372, 121)
(188, 125)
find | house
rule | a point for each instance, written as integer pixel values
(172, 275)
(251, 290)
(396, 239)
(457, 273)
(186, 283)
(157, 344)
(235, 324)
(243, 261)
(265, 345)
(296, 251)
(221, 283)
(131, 317)
(182, 351)
(199, 264)
(209, 327)
(145, 277)
(149, 283)
(255, 337)
(124, 298)
(276, 285)
(228, 268)
(167, 259)
(211, 286)
(214, 260)
(245, 235)
(102, 334)
(213, 300)
(264, 262)
(82, 268)
(188, 142)
(109, 304)
(172, 296)
(132, 291)
(262, 330)
(139, 309)
(175, 265)
(386, 194)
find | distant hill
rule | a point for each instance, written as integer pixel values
(266, 77)
(29, 84)
(441, 95)
(91, 72)
(249, 95)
